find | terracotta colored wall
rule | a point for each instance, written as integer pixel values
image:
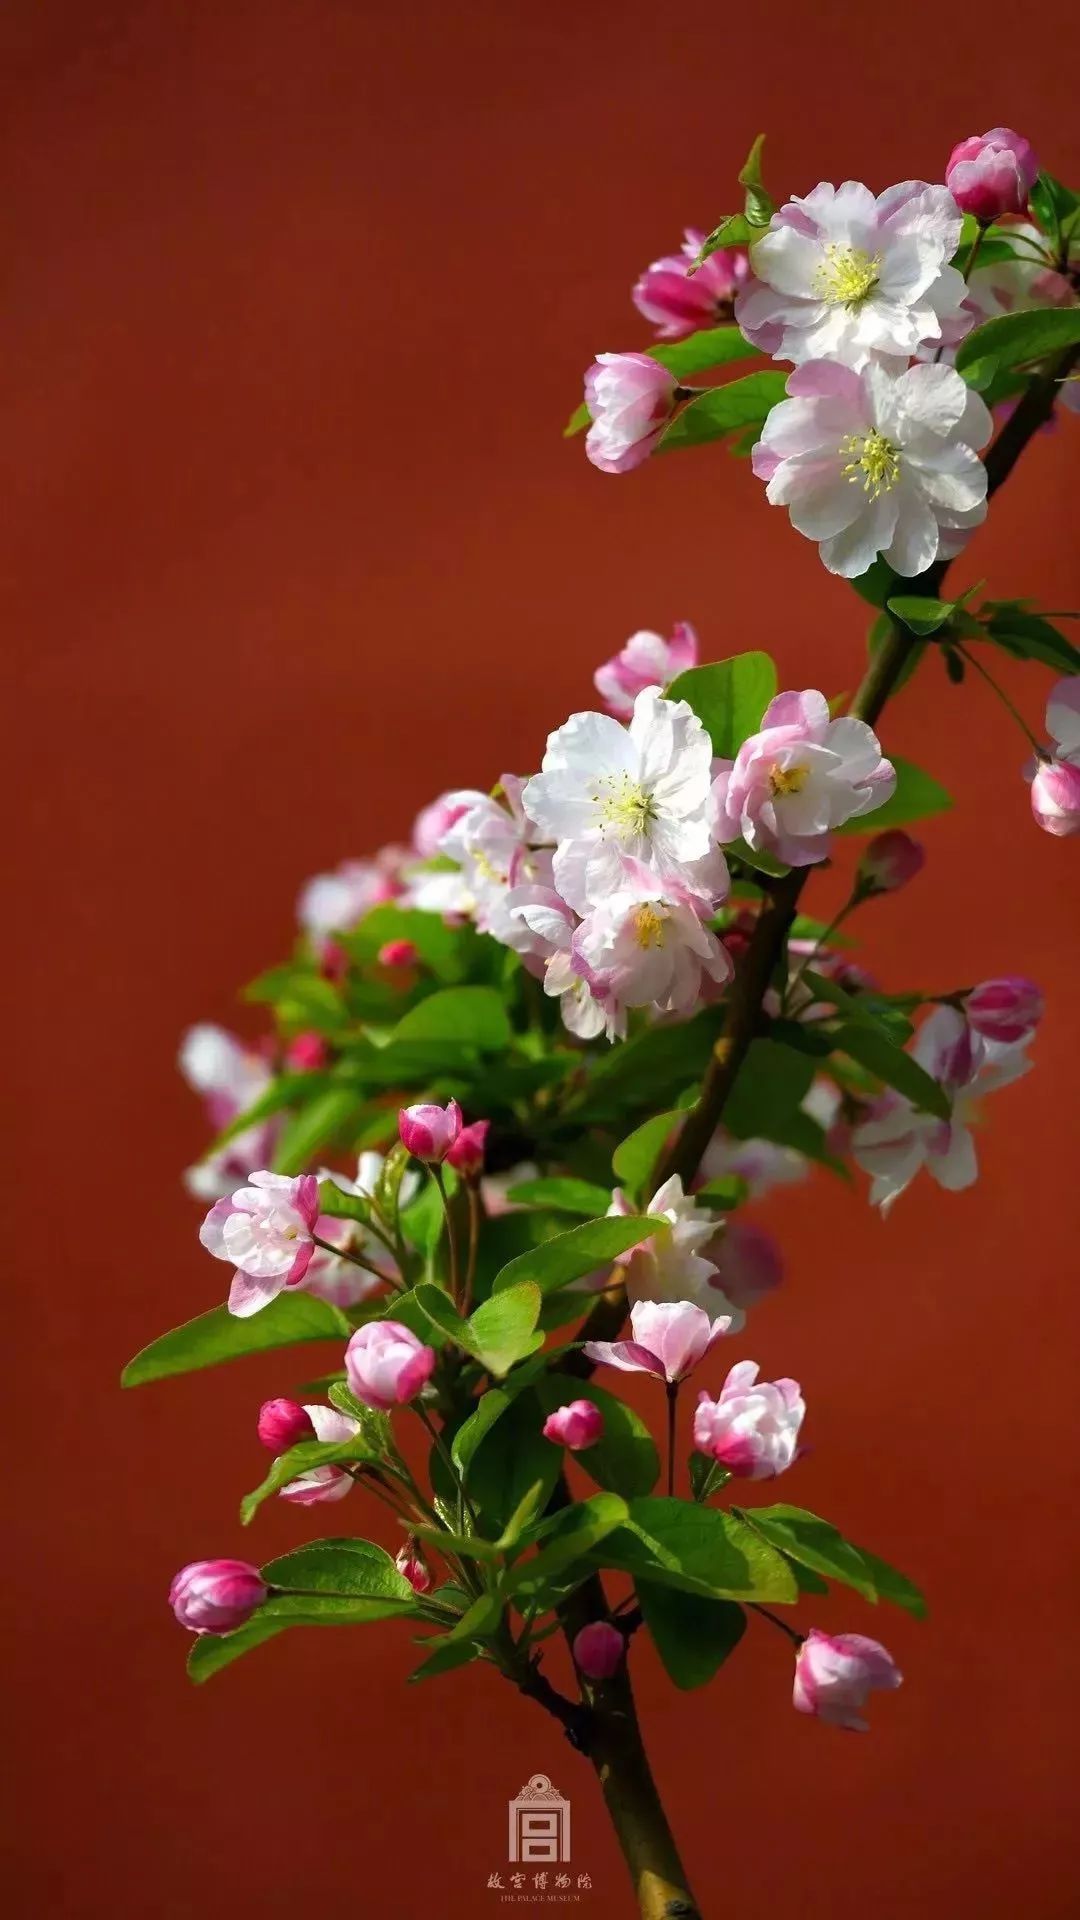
(296, 299)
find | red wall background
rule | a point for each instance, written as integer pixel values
(296, 300)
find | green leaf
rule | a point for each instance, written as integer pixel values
(733, 231)
(212, 1651)
(729, 697)
(218, 1336)
(441, 948)
(448, 1654)
(877, 583)
(893, 1586)
(699, 1550)
(920, 614)
(465, 1546)
(1015, 339)
(759, 206)
(342, 1569)
(706, 1476)
(315, 1127)
(334, 1609)
(285, 1091)
(624, 1458)
(867, 1009)
(692, 1634)
(699, 352)
(917, 794)
(814, 1544)
(502, 1329)
(1052, 204)
(721, 410)
(468, 1016)
(755, 857)
(635, 1157)
(522, 1518)
(577, 1530)
(1028, 636)
(571, 1255)
(471, 1431)
(303, 1458)
(481, 1618)
(512, 1461)
(874, 1051)
(773, 1081)
(562, 1195)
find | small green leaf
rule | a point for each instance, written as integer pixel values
(1029, 636)
(500, 1331)
(469, 1016)
(814, 1544)
(315, 1126)
(469, 1435)
(701, 351)
(755, 857)
(304, 1458)
(706, 1476)
(722, 410)
(916, 795)
(893, 1586)
(635, 1157)
(692, 1634)
(218, 1336)
(759, 206)
(877, 583)
(1016, 339)
(448, 1654)
(729, 697)
(920, 614)
(733, 231)
(571, 1255)
(874, 1051)
(562, 1195)
(577, 1530)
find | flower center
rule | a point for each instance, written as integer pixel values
(873, 458)
(783, 780)
(846, 275)
(649, 927)
(625, 805)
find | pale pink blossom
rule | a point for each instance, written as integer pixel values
(335, 902)
(679, 302)
(1008, 1009)
(877, 462)
(753, 1428)
(230, 1077)
(434, 822)
(650, 947)
(466, 1153)
(992, 173)
(1055, 775)
(411, 1564)
(761, 1163)
(495, 849)
(598, 1650)
(429, 1131)
(630, 399)
(214, 1596)
(802, 774)
(748, 1265)
(889, 862)
(834, 1674)
(320, 1484)
(668, 1339)
(668, 1265)
(575, 1426)
(541, 927)
(282, 1424)
(843, 276)
(387, 1365)
(647, 660)
(266, 1231)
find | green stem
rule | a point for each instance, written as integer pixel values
(672, 1412)
(451, 1231)
(1003, 697)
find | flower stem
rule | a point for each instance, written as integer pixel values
(1003, 697)
(672, 1410)
(451, 1232)
(775, 1620)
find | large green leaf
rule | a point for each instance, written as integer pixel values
(916, 795)
(512, 1460)
(577, 1529)
(501, 1331)
(1016, 339)
(729, 696)
(466, 1016)
(693, 1634)
(698, 1549)
(218, 1336)
(571, 1255)
(722, 410)
(341, 1569)
(814, 1544)
(490, 1408)
(624, 1458)
(563, 1195)
(878, 1054)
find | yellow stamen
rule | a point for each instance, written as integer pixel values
(846, 275)
(649, 927)
(625, 806)
(874, 459)
(784, 780)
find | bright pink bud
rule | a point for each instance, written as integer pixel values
(598, 1650)
(411, 1563)
(386, 1364)
(466, 1155)
(306, 1053)
(630, 399)
(1007, 1009)
(1055, 797)
(333, 961)
(214, 1596)
(890, 861)
(992, 173)
(428, 1131)
(283, 1424)
(834, 1673)
(680, 302)
(577, 1425)
(397, 953)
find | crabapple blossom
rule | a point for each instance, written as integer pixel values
(230, 1077)
(896, 1138)
(647, 660)
(1055, 777)
(679, 302)
(266, 1231)
(630, 399)
(761, 1163)
(429, 1131)
(386, 1364)
(753, 1428)
(649, 946)
(411, 1564)
(834, 1673)
(1008, 1009)
(668, 1266)
(540, 927)
(214, 1596)
(434, 822)
(668, 1339)
(843, 276)
(608, 795)
(889, 862)
(577, 1425)
(598, 1650)
(283, 1424)
(877, 462)
(320, 1484)
(800, 775)
(466, 1153)
(492, 844)
(748, 1265)
(992, 173)
(334, 902)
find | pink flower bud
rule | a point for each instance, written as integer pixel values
(1055, 797)
(630, 398)
(466, 1155)
(598, 1650)
(834, 1672)
(386, 1364)
(428, 1131)
(283, 1424)
(214, 1596)
(889, 862)
(397, 953)
(579, 1424)
(1007, 1009)
(679, 302)
(333, 961)
(411, 1563)
(306, 1053)
(992, 173)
